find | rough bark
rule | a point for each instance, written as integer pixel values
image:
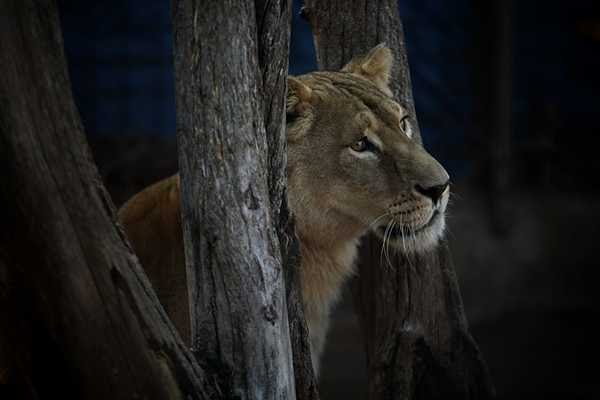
(230, 65)
(273, 18)
(273, 48)
(416, 335)
(79, 317)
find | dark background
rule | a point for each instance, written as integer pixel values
(507, 98)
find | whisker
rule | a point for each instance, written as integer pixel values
(454, 195)
(411, 240)
(384, 239)
(371, 225)
(387, 245)
(402, 235)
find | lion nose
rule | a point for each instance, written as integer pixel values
(433, 192)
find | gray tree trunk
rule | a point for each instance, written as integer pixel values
(75, 306)
(231, 69)
(416, 334)
(78, 316)
(273, 20)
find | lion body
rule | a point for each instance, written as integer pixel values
(352, 167)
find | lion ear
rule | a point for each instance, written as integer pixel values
(299, 96)
(375, 66)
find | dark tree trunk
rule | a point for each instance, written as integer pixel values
(75, 306)
(492, 80)
(273, 18)
(231, 68)
(78, 316)
(501, 112)
(417, 339)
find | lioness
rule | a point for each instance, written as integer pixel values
(352, 167)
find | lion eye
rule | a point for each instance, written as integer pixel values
(404, 126)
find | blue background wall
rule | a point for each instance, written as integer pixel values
(120, 57)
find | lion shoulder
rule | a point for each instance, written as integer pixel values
(152, 221)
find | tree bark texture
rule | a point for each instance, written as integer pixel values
(416, 334)
(230, 66)
(273, 26)
(78, 316)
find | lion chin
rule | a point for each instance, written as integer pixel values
(411, 239)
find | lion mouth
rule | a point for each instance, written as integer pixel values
(398, 230)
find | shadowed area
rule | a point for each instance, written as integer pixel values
(524, 247)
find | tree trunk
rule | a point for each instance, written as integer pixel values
(417, 339)
(231, 68)
(79, 318)
(274, 19)
(501, 111)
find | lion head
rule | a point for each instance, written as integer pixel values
(353, 164)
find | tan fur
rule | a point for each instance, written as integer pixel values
(152, 222)
(336, 193)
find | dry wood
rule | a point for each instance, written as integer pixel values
(231, 65)
(273, 19)
(77, 314)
